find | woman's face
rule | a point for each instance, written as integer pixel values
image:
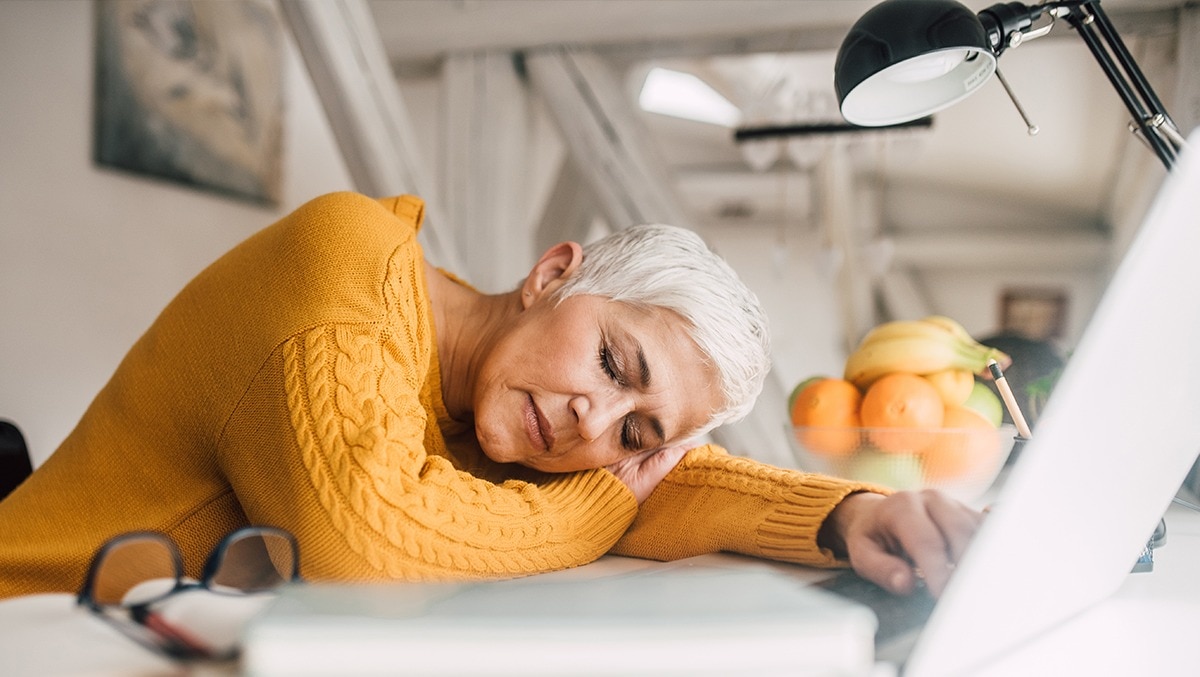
(589, 382)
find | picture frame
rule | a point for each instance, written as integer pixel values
(192, 92)
(1037, 313)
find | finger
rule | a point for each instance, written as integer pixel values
(656, 466)
(957, 522)
(887, 570)
(665, 459)
(926, 547)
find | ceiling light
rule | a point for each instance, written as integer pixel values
(684, 95)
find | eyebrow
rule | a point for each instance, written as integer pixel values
(643, 367)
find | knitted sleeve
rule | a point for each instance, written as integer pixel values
(713, 501)
(408, 514)
(337, 440)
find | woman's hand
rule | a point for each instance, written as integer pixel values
(644, 470)
(896, 540)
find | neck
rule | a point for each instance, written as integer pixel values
(467, 323)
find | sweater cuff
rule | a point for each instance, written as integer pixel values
(596, 498)
(789, 532)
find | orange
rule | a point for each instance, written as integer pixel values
(791, 404)
(970, 442)
(905, 408)
(828, 410)
(954, 385)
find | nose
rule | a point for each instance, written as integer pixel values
(597, 412)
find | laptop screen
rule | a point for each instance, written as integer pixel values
(1116, 440)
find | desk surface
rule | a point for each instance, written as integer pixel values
(1145, 628)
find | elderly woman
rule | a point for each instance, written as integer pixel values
(323, 378)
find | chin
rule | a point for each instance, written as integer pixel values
(502, 453)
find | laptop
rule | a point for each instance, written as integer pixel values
(1113, 445)
(1074, 515)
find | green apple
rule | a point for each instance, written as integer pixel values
(801, 386)
(898, 471)
(986, 402)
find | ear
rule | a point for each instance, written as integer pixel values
(556, 265)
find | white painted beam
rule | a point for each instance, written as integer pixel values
(903, 296)
(485, 180)
(350, 71)
(570, 209)
(1186, 110)
(609, 144)
(998, 249)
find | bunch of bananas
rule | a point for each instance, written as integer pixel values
(924, 346)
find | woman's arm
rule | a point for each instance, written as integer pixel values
(716, 502)
(713, 501)
(345, 464)
(336, 435)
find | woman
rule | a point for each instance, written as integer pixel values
(323, 378)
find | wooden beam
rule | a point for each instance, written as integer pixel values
(611, 147)
(485, 176)
(1186, 111)
(345, 58)
(570, 210)
(838, 218)
(975, 250)
(902, 296)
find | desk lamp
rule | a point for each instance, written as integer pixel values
(905, 59)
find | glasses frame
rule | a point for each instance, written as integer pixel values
(148, 628)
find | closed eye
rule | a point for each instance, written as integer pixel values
(610, 367)
(630, 438)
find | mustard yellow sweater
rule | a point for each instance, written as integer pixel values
(295, 383)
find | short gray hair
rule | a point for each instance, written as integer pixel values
(670, 267)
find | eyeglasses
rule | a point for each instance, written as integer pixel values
(134, 571)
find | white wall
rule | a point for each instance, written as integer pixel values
(88, 256)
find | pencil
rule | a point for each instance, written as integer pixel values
(1009, 401)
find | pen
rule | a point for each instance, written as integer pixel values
(1009, 401)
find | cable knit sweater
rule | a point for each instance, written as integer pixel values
(295, 383)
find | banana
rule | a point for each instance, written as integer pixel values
(958, 330)
(909, 329)
(918, 347)
(949, 325)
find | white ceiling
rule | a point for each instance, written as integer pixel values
(976, 169)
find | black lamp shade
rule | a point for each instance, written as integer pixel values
(905, 59)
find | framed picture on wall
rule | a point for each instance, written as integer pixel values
(1036, 313)
(192, 91)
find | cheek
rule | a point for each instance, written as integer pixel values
(588, 458)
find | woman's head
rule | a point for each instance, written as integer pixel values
(642, 340)
(668, 267)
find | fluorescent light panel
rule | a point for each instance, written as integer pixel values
(684, 95)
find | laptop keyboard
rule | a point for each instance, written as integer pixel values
(897, 614)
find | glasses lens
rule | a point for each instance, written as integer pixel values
(254, 561)
(135, 570)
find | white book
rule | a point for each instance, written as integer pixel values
(696, 618)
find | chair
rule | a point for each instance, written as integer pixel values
(15, 463)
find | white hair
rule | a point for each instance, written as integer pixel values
(669, 267)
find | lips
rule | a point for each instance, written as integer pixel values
(537, 427)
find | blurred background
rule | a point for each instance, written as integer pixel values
(526, 122)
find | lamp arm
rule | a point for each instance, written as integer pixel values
(1149, 114)
(1008, 24)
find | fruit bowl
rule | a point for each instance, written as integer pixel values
(961, 462)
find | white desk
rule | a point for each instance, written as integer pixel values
(1146, 628)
